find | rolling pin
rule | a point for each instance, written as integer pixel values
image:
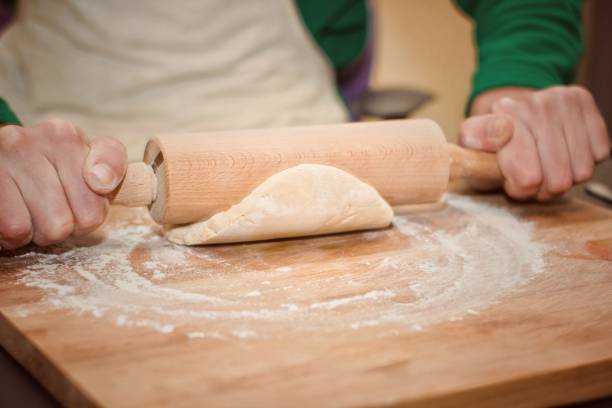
(186, 177)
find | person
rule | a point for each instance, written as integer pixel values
(131, 69)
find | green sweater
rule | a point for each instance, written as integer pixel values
(531, 43)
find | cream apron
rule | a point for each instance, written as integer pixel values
(131, 69)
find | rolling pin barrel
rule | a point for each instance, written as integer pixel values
(190, 176)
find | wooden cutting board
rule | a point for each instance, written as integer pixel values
(447, 308)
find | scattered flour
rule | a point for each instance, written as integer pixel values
(202, 335)
(438, 274)
(244, 333)
(375, 294)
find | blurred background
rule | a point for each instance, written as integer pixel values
(427, 45)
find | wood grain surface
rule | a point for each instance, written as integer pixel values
(201, 174)
(548, 342)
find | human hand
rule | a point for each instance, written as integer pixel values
(546, 140)
(53, 180)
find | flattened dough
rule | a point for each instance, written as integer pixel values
(309, 199)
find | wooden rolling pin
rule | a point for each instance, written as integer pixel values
(190, 176)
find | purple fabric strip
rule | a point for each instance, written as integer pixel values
(6, 13)
(354, 81)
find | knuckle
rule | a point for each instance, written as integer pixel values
(517, 193)
(64, 131)
(54, 231)
(565, 97)
(529, 181)
(57, 124)
(498, 106)
(525, 109)
(16, 233)
(543, 103)
(509, 106)
(559, 185)
(582, 93)
(601, 144)
(89, 221)
(602, 153)
(584, 173)
(557, 91)
(579, 90)
(528, 177)
(13, 138)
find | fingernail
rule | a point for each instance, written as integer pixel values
(105, 175)
(500, 130)
(471, 141)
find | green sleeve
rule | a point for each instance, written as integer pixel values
(7, 115)
(531, 43)
(340, 28)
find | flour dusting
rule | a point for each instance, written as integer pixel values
(434, 267)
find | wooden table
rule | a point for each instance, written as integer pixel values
(546, 342)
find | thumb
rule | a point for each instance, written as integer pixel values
(105, 165)
(488, 132)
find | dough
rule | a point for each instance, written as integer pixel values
(309, 199)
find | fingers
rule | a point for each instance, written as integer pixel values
(524, 177)
(488, 132)
(15, 224)
(43, 194)
(88, 208)
(23, 159)
(519, 160)
(595, 125)
(581, 157)
(568, 136)
(547, 125)
(105, 165)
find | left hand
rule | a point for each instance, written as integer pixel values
(546, 140)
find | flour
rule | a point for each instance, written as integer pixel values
(244, 333)
(202, 335)
(431, 275)
(373, 295)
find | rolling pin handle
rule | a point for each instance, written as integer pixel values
(138, 188)
(473, 164)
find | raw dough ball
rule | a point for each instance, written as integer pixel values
(309, 199)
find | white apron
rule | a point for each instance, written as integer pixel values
(131, 69)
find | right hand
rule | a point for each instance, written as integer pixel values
(546, 140)
(54, 181)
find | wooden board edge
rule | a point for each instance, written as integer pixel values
(580, 383)
(54, 380)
